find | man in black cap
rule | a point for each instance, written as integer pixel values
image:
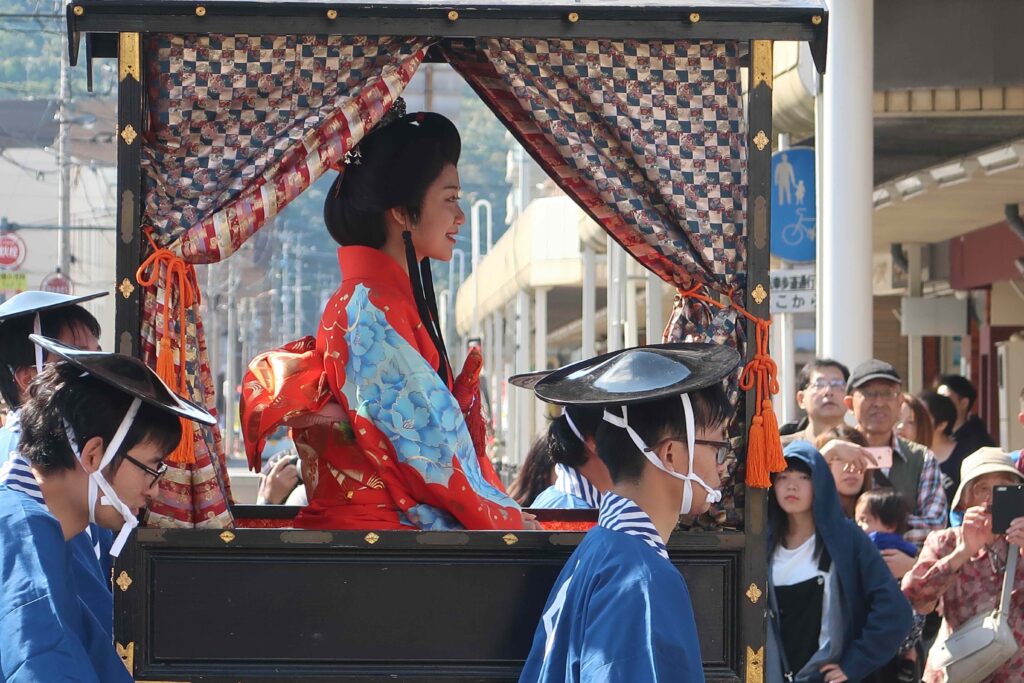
(874, 394)
(95, 430)
(620, 610)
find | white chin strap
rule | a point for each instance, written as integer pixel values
(713, 494)
(98, 482)
(37, 328)
(573, 427)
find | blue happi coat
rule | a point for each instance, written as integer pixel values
(619, 611)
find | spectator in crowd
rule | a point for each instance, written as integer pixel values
(835, 612)
(943, 414)
(915, 421)
(882, 514)
(536, 473)
(581, 478)
(849, 476)
(874, 396)
(281, 481)
(968, 431)
(821, 387)
(960, 569)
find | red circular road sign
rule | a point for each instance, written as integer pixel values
(12, 250)
(58, 283)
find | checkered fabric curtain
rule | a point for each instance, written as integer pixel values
(648, 137)
(238, 127)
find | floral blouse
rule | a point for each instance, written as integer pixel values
(401, 455)
(961, 595)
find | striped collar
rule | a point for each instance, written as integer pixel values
(571, 482)
(622, 514)
(16, 475)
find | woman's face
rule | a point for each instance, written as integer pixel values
(907, 426)
(979, 491)
(434, 233)
(794, 492)
(849, 478)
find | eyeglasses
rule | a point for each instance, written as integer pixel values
(723, 448)
(821, 384)
(880, 394)
(155, 473)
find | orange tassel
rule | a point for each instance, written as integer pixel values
(183, 275)
(758, 475)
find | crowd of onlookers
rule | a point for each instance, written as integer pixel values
(881, 540)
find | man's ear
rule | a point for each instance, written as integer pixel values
(23, 377)
(800, 399)
(92, 454)
(848, 401)
(674, 456)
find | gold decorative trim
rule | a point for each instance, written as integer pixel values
(754, 593)
(127, 655)
(694, 17)
(510, 539)
(816, 20)
(78, 10)
(200, 11)
(759, 294)
(453, 16)
(126, 288)
(573, 17)
(761, 141)
(227, 536)
(129, 134)
(128, 56)
(123, 581)
(371, 538)
(755, 665)
(762, 63)
(332, 14)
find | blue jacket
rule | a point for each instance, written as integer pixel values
(877, 616)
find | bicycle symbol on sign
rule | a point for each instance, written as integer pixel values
(795, 233)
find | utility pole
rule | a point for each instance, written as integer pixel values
(64, 164)
(230, 379)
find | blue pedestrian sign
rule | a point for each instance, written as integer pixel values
(794, 203)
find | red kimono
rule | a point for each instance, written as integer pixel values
(384, 442)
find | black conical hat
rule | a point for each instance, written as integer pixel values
(638, 374)
(36, 301)
(136, 379)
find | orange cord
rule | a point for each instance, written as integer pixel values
(182, 275)
(764, 446)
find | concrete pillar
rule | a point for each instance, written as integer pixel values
(521, 426)
(540, 348)
(783, 349)
(589, 342)
(498, 376)
(915, 344)
(844, 271)
(654, 286)
(631, 317)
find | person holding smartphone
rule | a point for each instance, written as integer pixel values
(960, 570)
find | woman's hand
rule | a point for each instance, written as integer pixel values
(833, 674)
(530, 522)
(281, 480)
(977, 532)
(848, 453)
(1015, 533)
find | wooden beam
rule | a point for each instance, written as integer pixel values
(127, 310)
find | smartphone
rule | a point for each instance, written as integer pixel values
(1007, 505)
(882, 454)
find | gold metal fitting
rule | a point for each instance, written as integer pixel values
(694, 17)
(371, 538)
(816, 19)
(78, 10)
(759, 294)
(453, 16)
(573, 17)
(200, 11)
(123, 581)
(126, 288)
(227, 536)
(510, 539)
(332, 14)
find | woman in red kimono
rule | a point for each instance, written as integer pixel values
(388, 437)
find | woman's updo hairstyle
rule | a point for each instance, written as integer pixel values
(391, 167)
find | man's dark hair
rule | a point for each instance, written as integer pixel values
(889, 506)
(803, 380)
(563, 445)
(941, 409)
(17, 352)
(961, 386)
(92, 408)
(843, 432)
(656, 421)
(396, 165)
